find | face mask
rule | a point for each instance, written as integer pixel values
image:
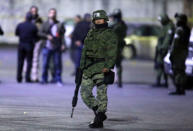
(111, 23)
(99, 26)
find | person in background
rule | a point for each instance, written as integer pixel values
(37, 20)
(52, 33)
(179, 53)
(73, 47)
(98, 57)
(27, 33)
(165, 39)
(77, 19)
(78, 36)
(1, 31)
(120, 29)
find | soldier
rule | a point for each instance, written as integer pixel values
(120, 29)
(1, 31)
(164, 43)
(98, 57)
(179, 53)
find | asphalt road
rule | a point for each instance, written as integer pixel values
(135, 107)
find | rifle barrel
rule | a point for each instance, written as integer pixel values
(72, 112)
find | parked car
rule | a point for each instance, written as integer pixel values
(188, 63)
(141, 41)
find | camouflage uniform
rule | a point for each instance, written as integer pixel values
(120, 29)
(179, 53)
(99, 52)
(164, 43)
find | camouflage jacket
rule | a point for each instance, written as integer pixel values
(165, 38)
(169, 30)
(100, 47)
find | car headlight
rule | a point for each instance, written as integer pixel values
(128, 41)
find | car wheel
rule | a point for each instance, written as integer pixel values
(129, 51)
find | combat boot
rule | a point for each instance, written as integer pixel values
(98, 120)
(102, 116)
(19, 80)
(178, 92)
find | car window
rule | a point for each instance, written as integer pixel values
(147, 31)
(130, 29)
(155, 30)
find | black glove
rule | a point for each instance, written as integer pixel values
(109, 77)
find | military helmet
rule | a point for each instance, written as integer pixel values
(117, 13)
(163, 18)
(181, 17)
(99, 14)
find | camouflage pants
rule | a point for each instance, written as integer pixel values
(87, 96)
(160, 69)
(160, 73)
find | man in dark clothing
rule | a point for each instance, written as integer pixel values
(179, 53)
(52, 33)
(27, 33)
(1, 31)
(73, 49)
(120, 29)
(78, 36)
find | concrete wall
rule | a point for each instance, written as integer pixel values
(13, 11)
